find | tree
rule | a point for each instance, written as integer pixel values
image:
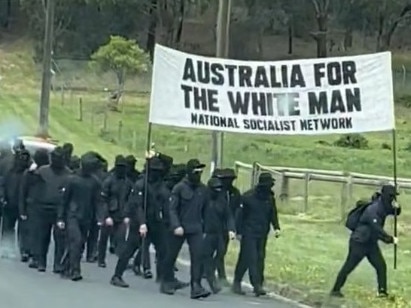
(122, 57)
(321, 8)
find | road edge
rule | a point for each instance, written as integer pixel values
(270, 294)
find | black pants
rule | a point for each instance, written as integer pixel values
(10, 218)
(127, 250)
(106, 233)
(76, 237)
(219, 259)
(213, 248)
(46, 225)
(195, 243)
(146, 258)
(356, 253)
(91, 241)
(251, 257)
(31, 236)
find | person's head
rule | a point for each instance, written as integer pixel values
(155, 169)
(389, 196)
(227, 177)
(265, 182)
(68, 149)
(194, 170)
(175, 175)
(57, 158)
(41, 157)
(75, 162)
(22, 159)
(18, 146)
(88, 164)
(216, 186)
(120, 166)
(131, 162)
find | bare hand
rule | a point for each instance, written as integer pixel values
(231, 235)
(61, 225)
(143, 230)
(109, 221)
(179, 231)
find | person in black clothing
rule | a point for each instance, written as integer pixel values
(27, 207)
(233, 199)
(151, 219)
(74, 163)
(115, 193)
(132, 172)
(78, 211)
(50, 183)
(364, 239)
(12, 182)
(68, 149)
(257, 212)
(187, 202)
(218, 220)
(167, 162)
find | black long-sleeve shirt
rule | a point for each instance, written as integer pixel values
(256, 214)
(187, 203)
(218, 218)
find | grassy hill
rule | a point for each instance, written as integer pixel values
(304, 262)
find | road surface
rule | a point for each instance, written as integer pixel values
(21, 287)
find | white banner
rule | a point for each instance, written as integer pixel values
(316, 96)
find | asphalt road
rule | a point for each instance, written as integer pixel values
(21, 287)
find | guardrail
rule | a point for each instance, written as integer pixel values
(347, 180)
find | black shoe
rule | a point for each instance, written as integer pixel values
(25, 258)
(102, 264)
(178, 285)
(148, 274)
(215, 288)
(91, 260)
(236, 288)
(167, 288)
(259, 291)
(41, 268)
(112, 250)
(175, 269)
(337, 294)
(385, 295)
(136, 270)
(76, 277)
(197, 292)
(33, 264)
(118, 282)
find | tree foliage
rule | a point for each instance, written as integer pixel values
(122, 57)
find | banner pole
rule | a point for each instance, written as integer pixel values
(394, 160)
(145, 201)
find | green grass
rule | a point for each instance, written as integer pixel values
(303, 263)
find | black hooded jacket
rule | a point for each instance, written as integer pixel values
(371, 225)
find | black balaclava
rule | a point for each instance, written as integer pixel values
(131, 162)
(68, 149)
(120, 167)
(265, 184)
(155, 170)
(57, 159)
(388, 197)
(216, 186)
(22, 160)
(75, 163)
(88, 164)
(227, 178)
(194, 171)
(41, 157)
(175, 175)
(18, 146)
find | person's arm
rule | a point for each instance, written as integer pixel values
(174, 207)
(65, 202)
(105, 194)
(274, 216)
(375, 222)
(23, 191)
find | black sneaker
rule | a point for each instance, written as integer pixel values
(336, 294)
(119, 282)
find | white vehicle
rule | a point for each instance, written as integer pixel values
(32, 144)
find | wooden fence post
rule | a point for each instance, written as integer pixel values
(120, 130)
(284, 189)
(105, 121)
(346, 196)
(306, 192)
(134, 142)
(80, 109)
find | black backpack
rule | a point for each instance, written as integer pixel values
(354, 216)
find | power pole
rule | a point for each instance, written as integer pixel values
(43, 129)
(222, 48)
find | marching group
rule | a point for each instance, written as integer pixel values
(89, 209)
